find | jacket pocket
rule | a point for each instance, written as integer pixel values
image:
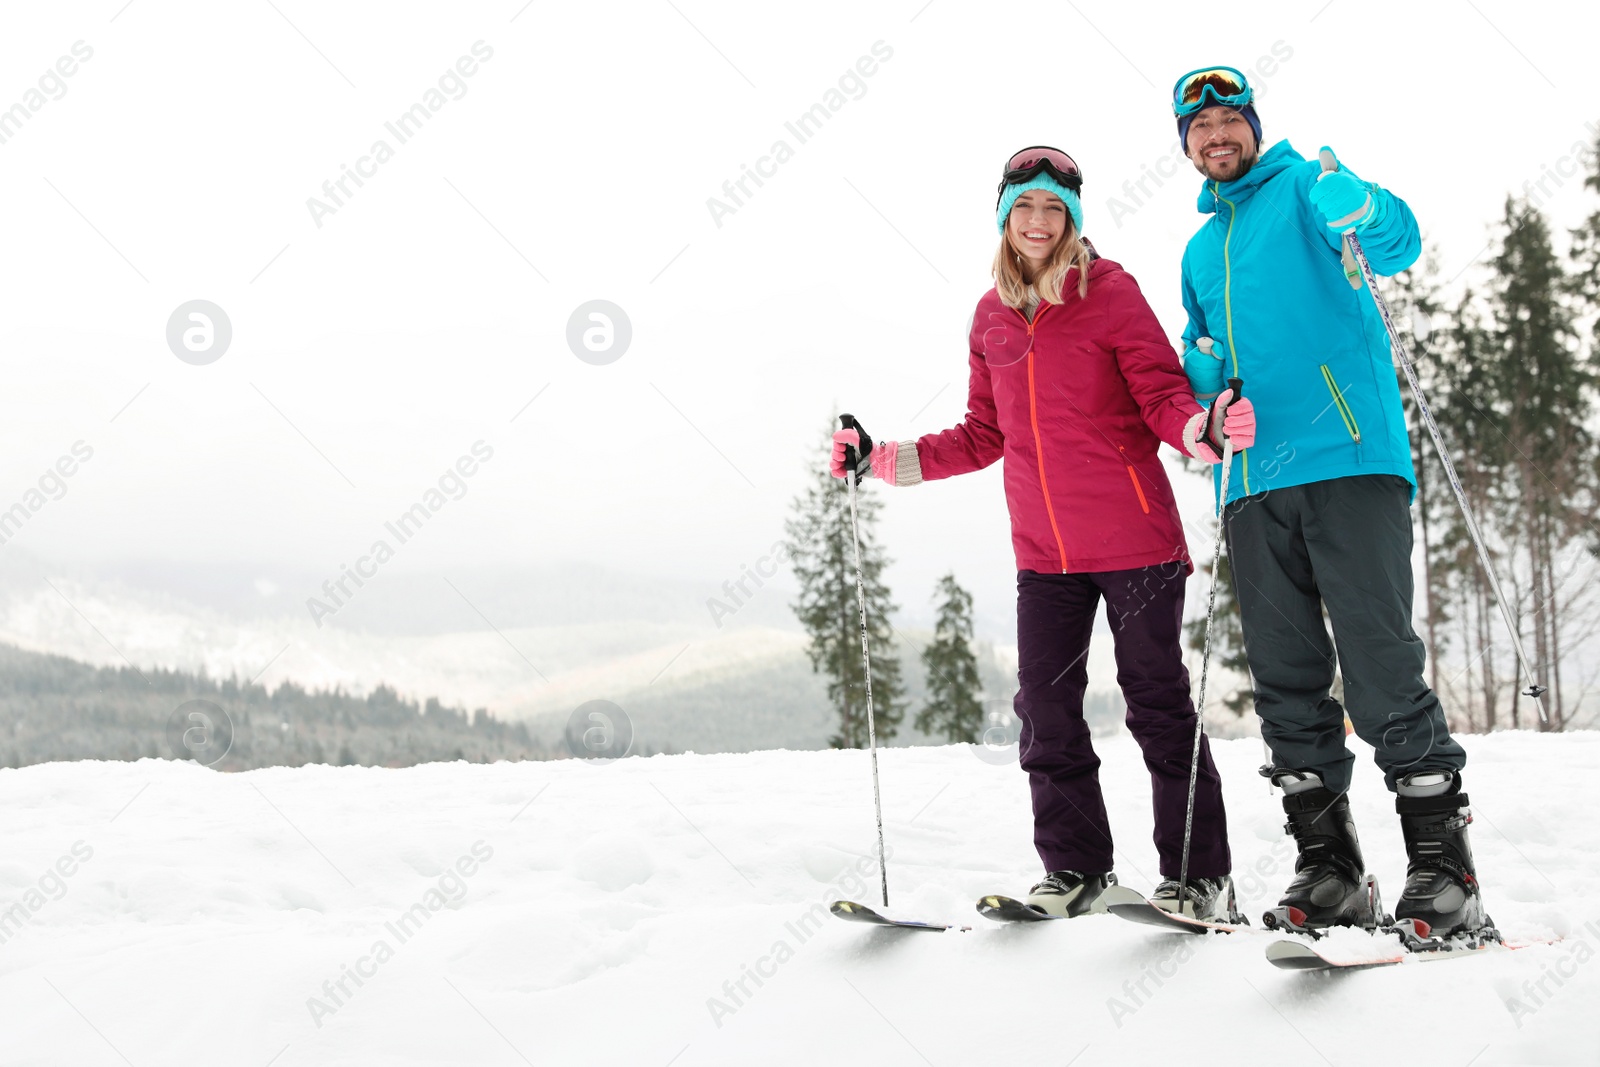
(1339, 402)
(1139, 489)
(1133, 475)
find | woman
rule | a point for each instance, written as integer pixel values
(1075, 386)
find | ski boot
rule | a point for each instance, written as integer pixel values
(1070, 893)
(1330, 887)
(1441, 899)
(1207, 899)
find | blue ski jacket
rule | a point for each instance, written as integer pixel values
(1263, 278)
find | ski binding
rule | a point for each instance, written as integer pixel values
(1127, 904)
(1291, 920)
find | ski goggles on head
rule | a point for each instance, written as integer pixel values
(1029, 162)
(1210, 85)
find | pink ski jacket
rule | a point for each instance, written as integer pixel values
(1077, 403)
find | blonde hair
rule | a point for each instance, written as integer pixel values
(1011, 282)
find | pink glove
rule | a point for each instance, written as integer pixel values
(880, 464)
(841, 438)
(1227, 417)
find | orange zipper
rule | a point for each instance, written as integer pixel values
(1038, 445)
(1137, 488)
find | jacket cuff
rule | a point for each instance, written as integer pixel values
(907, 464)
(1380, 208)
(1192, 431)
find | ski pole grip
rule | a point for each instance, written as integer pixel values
(851, 456)
(1352, 271)
(1237, 385)
(848, 422)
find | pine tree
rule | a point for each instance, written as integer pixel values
(1584, 282)
(823, 557)
(1517, 401)
(1227, 635)
(1584, 287)
(953, 708)
(1466, 396)
(1549, 394)
(1416, 303)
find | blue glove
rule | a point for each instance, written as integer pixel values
(1206, 372)
(1345, 200)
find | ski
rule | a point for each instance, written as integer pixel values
(1008, 910)
(1303, 956)
(1320, 956)
(860, 913)
(1127, 904)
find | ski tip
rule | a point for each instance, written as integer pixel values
(994, 906)
(1003, 909)
(849, 909)
(1295, 956)
(860, 913)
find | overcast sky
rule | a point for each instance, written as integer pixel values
(376, 339)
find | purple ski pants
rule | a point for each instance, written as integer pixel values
(1055, 616)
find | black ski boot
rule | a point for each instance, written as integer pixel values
(1071, 893)
(1207, 899)
(1330, 887)
(1441, 898)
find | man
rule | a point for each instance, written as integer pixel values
(1318, 511)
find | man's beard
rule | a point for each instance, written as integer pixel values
(1244, 167)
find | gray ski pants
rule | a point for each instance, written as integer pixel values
(1345, 544)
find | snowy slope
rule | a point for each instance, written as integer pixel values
(575, 913)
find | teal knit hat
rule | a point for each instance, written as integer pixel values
(1008, 199)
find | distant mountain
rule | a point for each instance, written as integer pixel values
(53, 708)
(529, 646)
(778, 702)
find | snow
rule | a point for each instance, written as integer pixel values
(575, 912)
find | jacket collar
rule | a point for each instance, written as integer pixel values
(1276, 160)
(1099, 266)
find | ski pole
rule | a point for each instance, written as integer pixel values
(1237, 386)
(850, 479)
(1353, 246)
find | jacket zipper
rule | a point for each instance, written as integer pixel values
(1227, 306)
(1038, 444)
(1339, 402)
(1137, 488)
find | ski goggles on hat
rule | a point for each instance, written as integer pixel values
(1028, 163)
(1210, 85)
